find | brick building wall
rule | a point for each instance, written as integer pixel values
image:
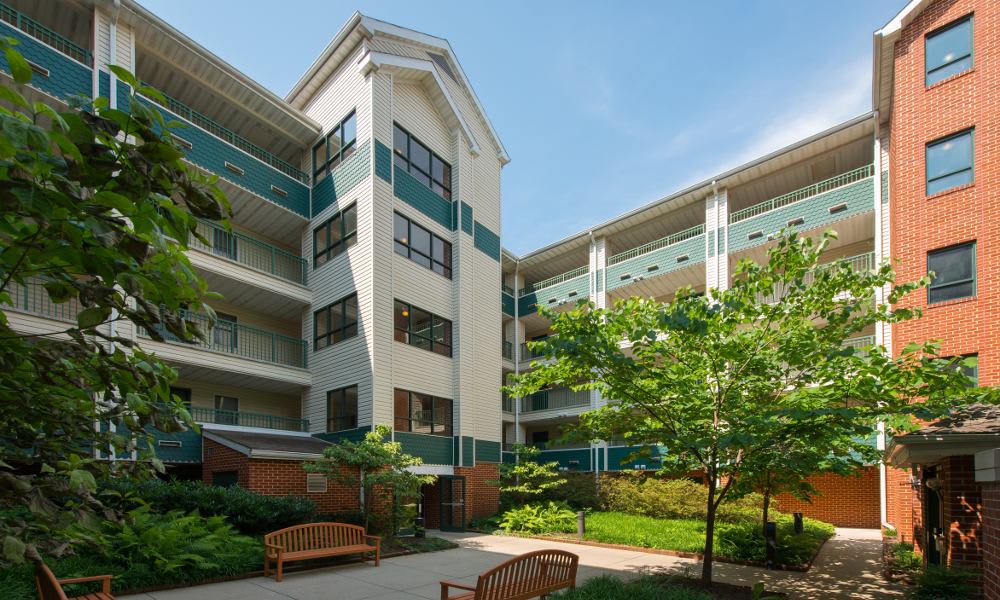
(844, 501)
(991, 540)
(961, 507)
(482, 500)
(217, 458)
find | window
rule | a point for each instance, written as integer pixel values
(949, 162)
(335, 322)
(421, 246)
(335, 147)
(948, 51)
(972, 372)
(954, 273)
(335, 236)
(417, 160)
(342, 409)
(421, 413)
(227, 409)
(422, 329)
(316, 483)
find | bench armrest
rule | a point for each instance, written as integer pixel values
(104, 579)
(278, 549)
(377, 538)
(447, 584)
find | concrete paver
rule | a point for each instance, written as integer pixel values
(847, 568)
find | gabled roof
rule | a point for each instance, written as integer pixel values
(302, 91)
(967, 431)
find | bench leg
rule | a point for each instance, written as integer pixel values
(378, 554)
(279, 577)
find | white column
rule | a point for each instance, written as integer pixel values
(717, 241)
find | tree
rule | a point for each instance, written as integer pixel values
(723, 380)
(96, 208)
(375, 463)
(526, 480)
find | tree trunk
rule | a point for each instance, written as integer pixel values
(706, 566)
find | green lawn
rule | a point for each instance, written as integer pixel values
(741, 541)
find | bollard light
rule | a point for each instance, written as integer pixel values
(771, 541)
(581, 524)
(798, 523)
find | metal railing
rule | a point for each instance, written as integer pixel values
(860, 342)
(42, 33)
(528, 354)
(251, 252)
(247, 419)
(508, 404)
(858, 263)
(554, 398)
(508, 350)
(32, 298)
(670, 240)
(243, 341)
(803, 193)
(506, 289)
(534, 287)
(186, 112)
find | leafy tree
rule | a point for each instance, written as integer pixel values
(721, 381)
(374, 464)
(96, 208)
(526, 479)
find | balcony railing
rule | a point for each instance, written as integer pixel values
(44, 34)
(508, 404)
(860, 342)
(251, 252)
(551, 281)
(506, 289)
(553, 399)
(508, 350)
(247, 419)
(243, 341)
(803, 193)
(858, 263)
(670, 240)
(183, 110)
(528, 354)
(32, 298)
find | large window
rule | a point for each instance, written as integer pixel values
(417, 159)
(948, 51)
(342, 409)
(421, 246)
(335, 147)
(336, 322)
(949, 162)
(421, 413)
(955, 273)
(335, 236)
(422, 329)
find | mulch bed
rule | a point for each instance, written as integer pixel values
(722, 591)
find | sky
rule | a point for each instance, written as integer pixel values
(602, 106)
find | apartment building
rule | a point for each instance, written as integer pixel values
(359, 280)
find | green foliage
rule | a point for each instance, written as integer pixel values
(550, 517)
(96, 209)
(527, 480)
(249, 512)
(903, 559)
(580, 491)
(374, 464)
(651, 496)
(750, 392)
(943, 583)
(607, 587)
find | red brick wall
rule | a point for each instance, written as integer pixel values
(961, 505)
(481, 499)
(219, 458)
(843, 501)
(991, 540)
(287, 478)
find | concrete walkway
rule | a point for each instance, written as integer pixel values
(846, 568)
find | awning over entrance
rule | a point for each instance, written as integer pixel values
(268, 445)
(968, 431)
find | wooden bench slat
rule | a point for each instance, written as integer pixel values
(317, 540)
(522, 577)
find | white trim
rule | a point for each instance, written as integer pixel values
(223, 427)
(903, 17)
(432, 470)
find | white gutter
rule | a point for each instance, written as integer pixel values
(879, 327)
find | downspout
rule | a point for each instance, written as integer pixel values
(517, 349)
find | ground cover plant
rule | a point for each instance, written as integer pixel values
(661, 587)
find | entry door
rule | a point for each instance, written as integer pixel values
(452, 495)
(932, 519)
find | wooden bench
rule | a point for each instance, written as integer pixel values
(50, 588)
(532, 575)
(316, 540)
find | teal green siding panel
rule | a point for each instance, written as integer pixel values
(468, 451)
(617, 454)
(527, 304)
(486, 241)
(343, 179)
(103, 84)
(466, 218)
(600, 459)
(383, 161)
(66, 77)
(347, 435)
(487, 451)
(885, 187)
(432, 449)
(190, 446)
(661, 261)
(420, 197)
(815, 210)
(571, 290)
(507, 303)
(577, 459)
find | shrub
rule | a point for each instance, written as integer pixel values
(579, 491)
(745, 540)
(551, 517)
(662, 498)
(607, 587)
(942, 583)
(902, 558)
(249, 512)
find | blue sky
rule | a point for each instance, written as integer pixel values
(601, 108)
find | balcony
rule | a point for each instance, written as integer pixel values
(507, 301)
(251, 252)
(508, 350)
(508, 404)
(61, 67)
(671, 253)
(555, 399)
(243, 341)
(31, 298)
(569, 286)
(817, 205)
(247, 419)
(529, 354)
(860, 342)
(858, 263)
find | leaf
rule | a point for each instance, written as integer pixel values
(124, 75)
(92, 317)
(82, 481)
(19, 67)
(13, 549)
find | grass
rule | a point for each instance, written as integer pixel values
(739, 541)
(646, 588)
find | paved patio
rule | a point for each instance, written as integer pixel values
(846, 568)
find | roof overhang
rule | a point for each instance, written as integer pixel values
(257, 452)
(883, 41)
(929, 449)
